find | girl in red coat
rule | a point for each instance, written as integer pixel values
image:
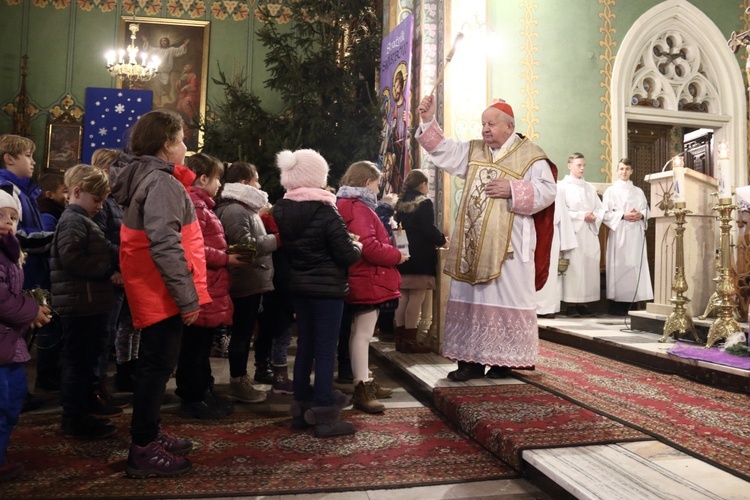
(373, 280)
(194, 380)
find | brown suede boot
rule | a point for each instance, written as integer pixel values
(409, 343)
(380, 391)
(365, 398)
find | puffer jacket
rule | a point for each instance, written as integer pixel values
(219, 311)
(17, 310)
(415, 213)
(161, 246)
(372, 279)
(109, 220)
(316, 246)
(238, 212)
(81, 263)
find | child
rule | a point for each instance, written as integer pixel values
(194, 380)
(16, 169)
(319, 251)
(109, 220)
(53, 199)
(276, 317)
(580, 284)
(164, 272)
(373, 280)
(238, 210)
(17, 312)
(416, 214)
(82, 273)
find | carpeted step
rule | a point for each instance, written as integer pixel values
(507, 419)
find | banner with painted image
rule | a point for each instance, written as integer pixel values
(395, 82)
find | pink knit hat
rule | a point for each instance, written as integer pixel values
(302, 168)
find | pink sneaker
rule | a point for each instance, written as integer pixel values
(153, 460)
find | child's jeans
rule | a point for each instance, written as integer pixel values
(12, 393)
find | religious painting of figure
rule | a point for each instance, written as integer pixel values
(180, 82)
(63, 143)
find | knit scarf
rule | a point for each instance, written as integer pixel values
(363, 194)
(311, 194)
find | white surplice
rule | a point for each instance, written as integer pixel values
(494, 323)
(628, 277)
(581, 282)
(563, 239)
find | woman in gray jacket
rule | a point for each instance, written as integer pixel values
(238, 210)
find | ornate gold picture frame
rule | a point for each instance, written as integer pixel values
(180, 83)
(64, 135)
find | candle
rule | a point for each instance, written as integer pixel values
(725, 176)
(678, 179)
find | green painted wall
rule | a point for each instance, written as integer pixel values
(567, 84)
(562, 91)
(66, 50)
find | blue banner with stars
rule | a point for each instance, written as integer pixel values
(109, 115)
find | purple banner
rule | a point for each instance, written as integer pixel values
(395, 82)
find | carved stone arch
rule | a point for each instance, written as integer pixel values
(675, 56)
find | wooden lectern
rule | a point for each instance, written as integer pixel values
(699, 241)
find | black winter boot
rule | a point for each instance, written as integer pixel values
(263, 373)
(298, 410)
(327, 422)
(466, 371)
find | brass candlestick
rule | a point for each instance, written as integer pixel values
(725, 324)
(679, 322)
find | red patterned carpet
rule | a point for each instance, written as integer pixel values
(507, 419)
(254, 454)
(703, 421)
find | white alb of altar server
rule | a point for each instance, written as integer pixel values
(563, 239)
(628, 277)
(581, 282)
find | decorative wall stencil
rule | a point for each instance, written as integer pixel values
(674, 74)
(235, 10)
(148, 7)
(608, 44)
(58, 4)
(67, 105)
(196, 8)
(102, 5)
(10, 108)
(529, 75)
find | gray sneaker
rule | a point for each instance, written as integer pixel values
(245, 392)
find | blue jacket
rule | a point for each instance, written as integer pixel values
(34, 240)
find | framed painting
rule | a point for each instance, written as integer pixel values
(63, 143)
(180, 82)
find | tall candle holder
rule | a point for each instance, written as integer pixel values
(726, 290)
(679, 321)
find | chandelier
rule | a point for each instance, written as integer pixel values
(132, 71)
